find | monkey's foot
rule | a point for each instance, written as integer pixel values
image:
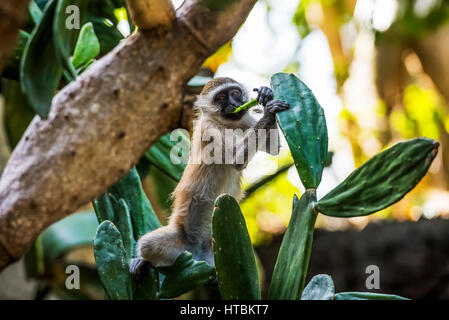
(138, 268)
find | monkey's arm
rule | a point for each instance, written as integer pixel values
(265, 129)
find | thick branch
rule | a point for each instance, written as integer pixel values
(100, 124)
(12, 17)
(148, 14)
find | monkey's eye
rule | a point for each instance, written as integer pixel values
(236, 93)
(220, 98)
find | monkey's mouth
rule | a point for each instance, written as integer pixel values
(234, 116)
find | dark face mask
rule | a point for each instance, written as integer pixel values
(229, 100)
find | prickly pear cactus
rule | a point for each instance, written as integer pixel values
(381, 181)
(304, 127)
(234, 256)
(125, 213)
(290, 271)
(112, 262)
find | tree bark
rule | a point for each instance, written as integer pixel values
(12, 17)
(100, 124)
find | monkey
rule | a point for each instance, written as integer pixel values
(189, 226)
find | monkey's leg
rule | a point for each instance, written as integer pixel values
(161, 247)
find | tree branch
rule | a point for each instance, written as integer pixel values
(148, 14)
(100, 124)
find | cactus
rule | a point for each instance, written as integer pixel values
(112, 262)
(233, 252)
(185, 274)
(294, 253)
(321, 287)
(381, 181)
(304, 127)
(125, 214)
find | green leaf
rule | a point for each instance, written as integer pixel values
(290, 271)
(366, 296)
(18, 113)
(87, 47)
(130, 189)
(35, 12)
(164, 187)
(34, 260)
(108, 35)
(147, 288)
(185, 274)
(122, 220)
(105, 8)
(304, 127)
(63, 37)
(103, 208)
(320, 287)
(159, 154)
(234, 255)
(112, 263)
(40, 71)
(381, 181)
(76, 230)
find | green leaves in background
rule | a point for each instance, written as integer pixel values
(76, 230)
(321, 287)
(290, 271)
(159, 154)
(87, 46)
(47, 53)
(381, 181)
(108, 35)
(185, 274)
(129, 188)
(122, 219)
(112, 262)
(234, 256)
(39, 74)
(304, 127)
(125, 207)
(35, 12)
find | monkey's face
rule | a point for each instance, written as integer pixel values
(228, 100)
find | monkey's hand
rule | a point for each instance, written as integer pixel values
(138, 268)
(268, 120)
(264, 94)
